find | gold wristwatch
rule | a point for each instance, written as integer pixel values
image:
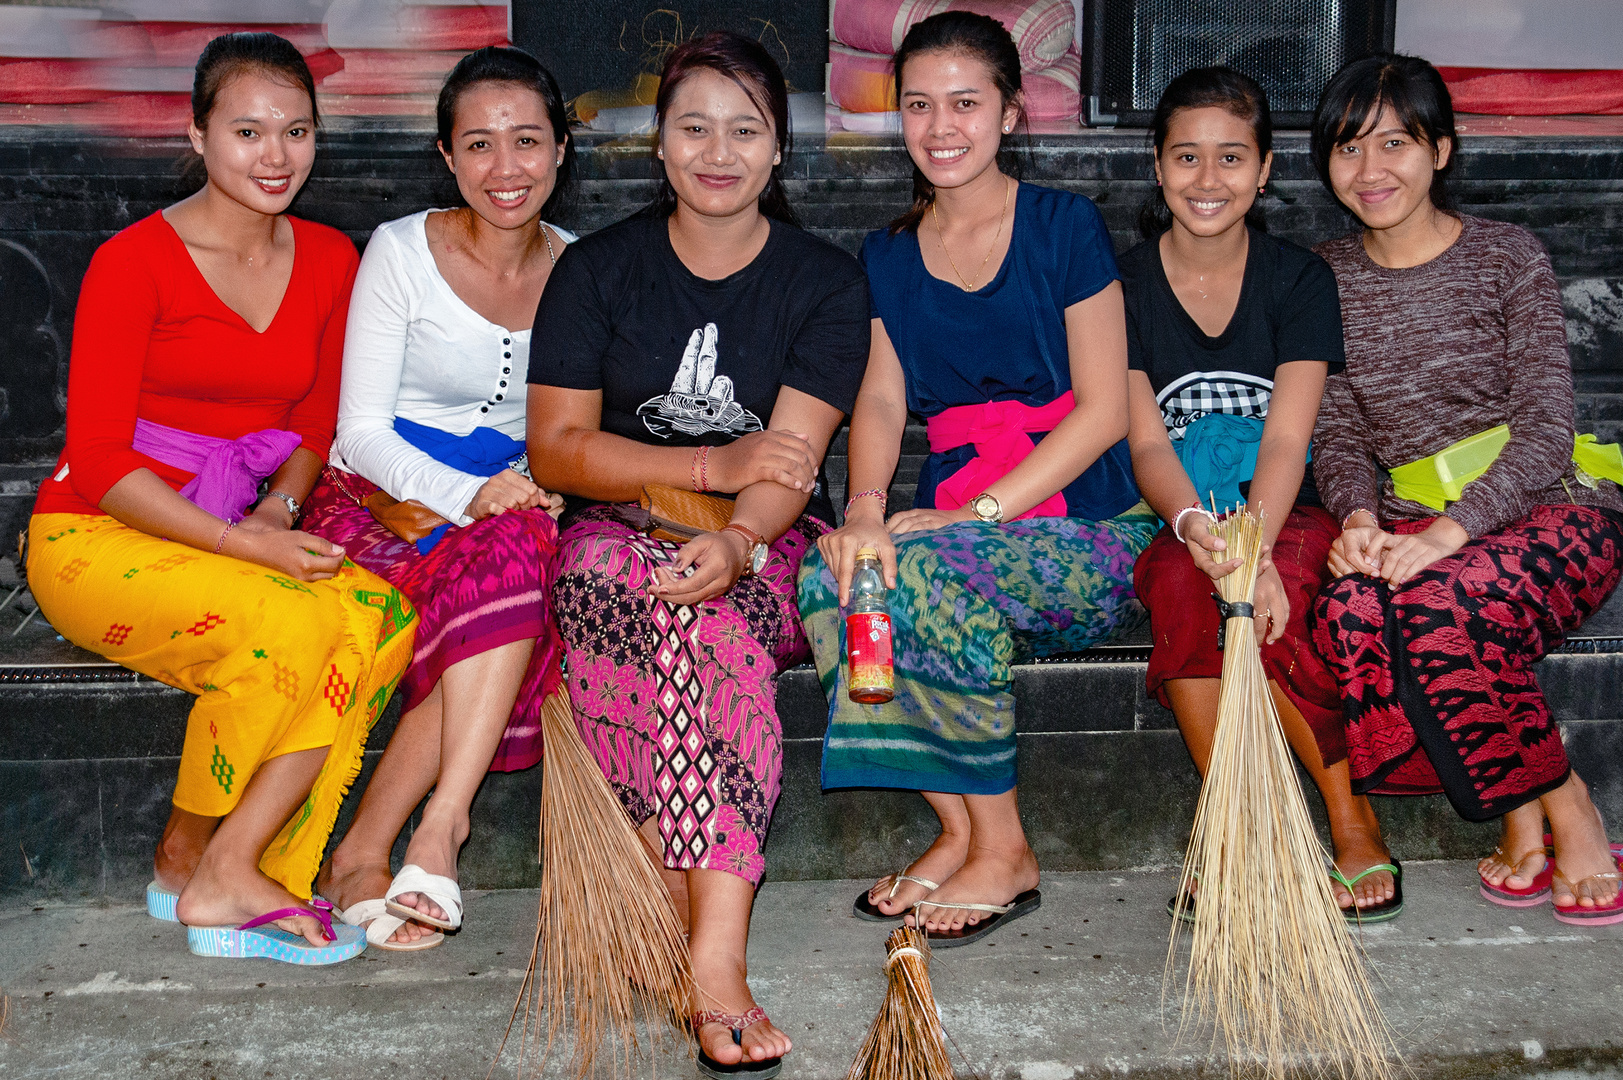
(986, 507)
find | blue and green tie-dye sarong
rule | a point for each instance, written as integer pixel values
(971, 600)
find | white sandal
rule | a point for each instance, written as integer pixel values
(442, 890)
(381, 925)
(864, 908)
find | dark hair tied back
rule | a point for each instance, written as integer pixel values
(962, 33)
(1207, 88)
(1410, 87)
(226, 57)
(501, 64)
(752, 68)
(230, 55)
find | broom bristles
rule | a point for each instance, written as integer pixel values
(906, 1040)
(1271, 964)
(609, 947)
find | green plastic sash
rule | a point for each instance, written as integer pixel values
(1440, 479)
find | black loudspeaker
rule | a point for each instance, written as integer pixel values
(1131, 49)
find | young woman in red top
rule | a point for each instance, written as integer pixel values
(206, 358)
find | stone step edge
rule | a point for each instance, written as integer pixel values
(92, 673)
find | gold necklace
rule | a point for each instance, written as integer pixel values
(550, 254)
(936, 217)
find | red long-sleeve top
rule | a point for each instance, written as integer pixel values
(152, 340)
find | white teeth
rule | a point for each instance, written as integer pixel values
(270, 185)
(947, 155)
(509, 196)
(1198, 205)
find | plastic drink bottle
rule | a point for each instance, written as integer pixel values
(867, 633)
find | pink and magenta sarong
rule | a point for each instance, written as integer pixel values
(676, 702)
(1437, 677)
(483, 586)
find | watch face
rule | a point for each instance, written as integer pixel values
(985, 507)
(758, 555)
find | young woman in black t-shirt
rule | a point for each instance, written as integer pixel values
(705, 344)
(1230, 336)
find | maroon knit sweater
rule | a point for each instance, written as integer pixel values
(1472, 339)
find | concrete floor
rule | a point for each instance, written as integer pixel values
(1073, 990)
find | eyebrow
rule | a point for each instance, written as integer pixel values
(1190, 142)
(261, 120)
(950, 93)
(516, 127)
(694, 114)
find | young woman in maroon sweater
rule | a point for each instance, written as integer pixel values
(1453, 326)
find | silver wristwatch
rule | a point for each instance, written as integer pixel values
(986, 507)
(292, 503)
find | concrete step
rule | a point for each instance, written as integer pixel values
(91, 751)
(1071, 992)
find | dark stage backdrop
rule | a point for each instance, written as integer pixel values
(603, 44)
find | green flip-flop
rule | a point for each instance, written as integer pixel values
(1382, 912)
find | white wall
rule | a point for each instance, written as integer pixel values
(1513, 33)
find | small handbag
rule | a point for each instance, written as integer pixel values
(409, 520)
(678, 515)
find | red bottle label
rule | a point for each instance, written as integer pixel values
(867, 645)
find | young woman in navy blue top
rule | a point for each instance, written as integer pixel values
(998, 317)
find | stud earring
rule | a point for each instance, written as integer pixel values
(1261, 190)
(1006, 130)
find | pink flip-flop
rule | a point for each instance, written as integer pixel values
(1601, 914)
(1531, 896)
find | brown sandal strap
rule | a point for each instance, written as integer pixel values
(735, 1021)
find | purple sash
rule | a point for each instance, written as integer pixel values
(228, 470)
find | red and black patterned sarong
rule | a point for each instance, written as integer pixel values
(1437, 676)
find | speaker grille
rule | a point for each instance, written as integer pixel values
(1291, 47)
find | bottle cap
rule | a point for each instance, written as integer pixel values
(868, 552)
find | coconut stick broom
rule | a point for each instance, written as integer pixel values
(1271, 963)
(609, 947)
(906, 1040)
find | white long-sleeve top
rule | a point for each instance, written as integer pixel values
(413, 348)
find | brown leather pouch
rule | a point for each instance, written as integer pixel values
(409, 520)
(679, 515)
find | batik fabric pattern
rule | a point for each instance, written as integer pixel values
(1184, 623)
(971, 600)
(1437, 675)
(678, 702)
(482, 586)
(278, 665)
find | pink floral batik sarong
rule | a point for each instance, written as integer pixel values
(677, 703)
(483, 586)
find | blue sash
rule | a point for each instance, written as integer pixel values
(482, 452)
(1219, 452)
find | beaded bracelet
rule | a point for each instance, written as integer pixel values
(874, 493)
(228, 527)
(1177, 521)
(1360, 510)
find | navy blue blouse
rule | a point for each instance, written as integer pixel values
(1005, 341)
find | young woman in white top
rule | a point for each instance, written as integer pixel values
(431, 411)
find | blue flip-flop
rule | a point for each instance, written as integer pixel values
(255, 938)
(161, 902)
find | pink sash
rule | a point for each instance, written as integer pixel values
(998, 430)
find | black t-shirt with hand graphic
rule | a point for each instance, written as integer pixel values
(684, 361)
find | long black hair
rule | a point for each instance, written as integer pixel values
(1206, 88)
(982, 38)
(501, 64)
(1415, 92)
(752, 68)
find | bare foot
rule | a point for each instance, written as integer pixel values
(988, 876)
(1587, 874)
(1356, 851)
(721, 985)
(347, 883)
(943, 858)
(434, 847)
(185, 837)
(1520, 856)
(225, 896)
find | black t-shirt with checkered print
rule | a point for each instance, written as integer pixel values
(1288, 310)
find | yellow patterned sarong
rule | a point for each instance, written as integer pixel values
(278, 665)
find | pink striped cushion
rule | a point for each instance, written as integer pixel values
(861, 82)
(1043, 30)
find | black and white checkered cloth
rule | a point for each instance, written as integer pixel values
(1187, 399)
